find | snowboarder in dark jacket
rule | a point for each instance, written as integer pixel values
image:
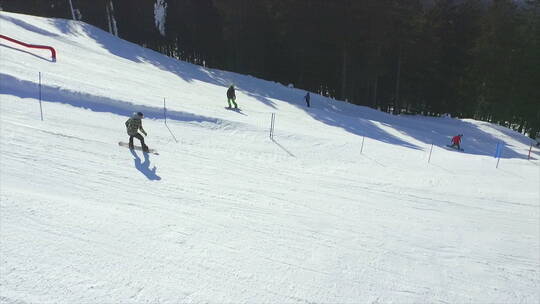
(133, 125)
(307, 98)
(231, 96)
(456, 141)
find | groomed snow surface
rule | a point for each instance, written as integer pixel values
(341, 207)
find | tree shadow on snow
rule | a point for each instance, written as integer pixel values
(358, 126)
(13, 86)
(476, 140)
(29, 27)
(135, 53)
(184, 70)
(144, 167)
(479, 138)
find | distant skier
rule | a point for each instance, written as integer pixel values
(231, 96)
(456, 141)
(133, 125)
(307, 98)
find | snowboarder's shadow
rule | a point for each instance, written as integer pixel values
(144, 167)
(239, 111)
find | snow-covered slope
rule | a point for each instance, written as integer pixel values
(341, 207)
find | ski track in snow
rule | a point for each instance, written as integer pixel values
(226, 215)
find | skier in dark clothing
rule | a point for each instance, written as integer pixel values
(231, 96)
(307, 98)
(456, 141)
(133, 125)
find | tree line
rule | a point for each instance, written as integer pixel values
(469, 58)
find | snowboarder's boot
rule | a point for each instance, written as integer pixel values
(145, 148)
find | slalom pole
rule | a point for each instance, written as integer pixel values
(272, 121)
(362, 147)
(164, 110)
(499, 153)
(498, 150)
(530, 149)
(271, 117)
(430, 150)
(165, 117)
(40, 107)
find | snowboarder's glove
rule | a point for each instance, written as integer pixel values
(144, 132)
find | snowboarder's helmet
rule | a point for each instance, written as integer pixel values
(140, 114)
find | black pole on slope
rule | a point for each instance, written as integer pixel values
(430, 150)
(164, 110)
(498, 153)
(272, 121)
(40, 107)
(165, 117)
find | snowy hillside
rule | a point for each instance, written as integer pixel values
(341, 207)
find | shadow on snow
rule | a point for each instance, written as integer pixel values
(11, 85)
(144, 167)
(186, 71)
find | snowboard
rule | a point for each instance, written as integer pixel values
(460, 149)
(233, 109)
(124, 144)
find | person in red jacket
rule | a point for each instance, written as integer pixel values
(456, 140)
